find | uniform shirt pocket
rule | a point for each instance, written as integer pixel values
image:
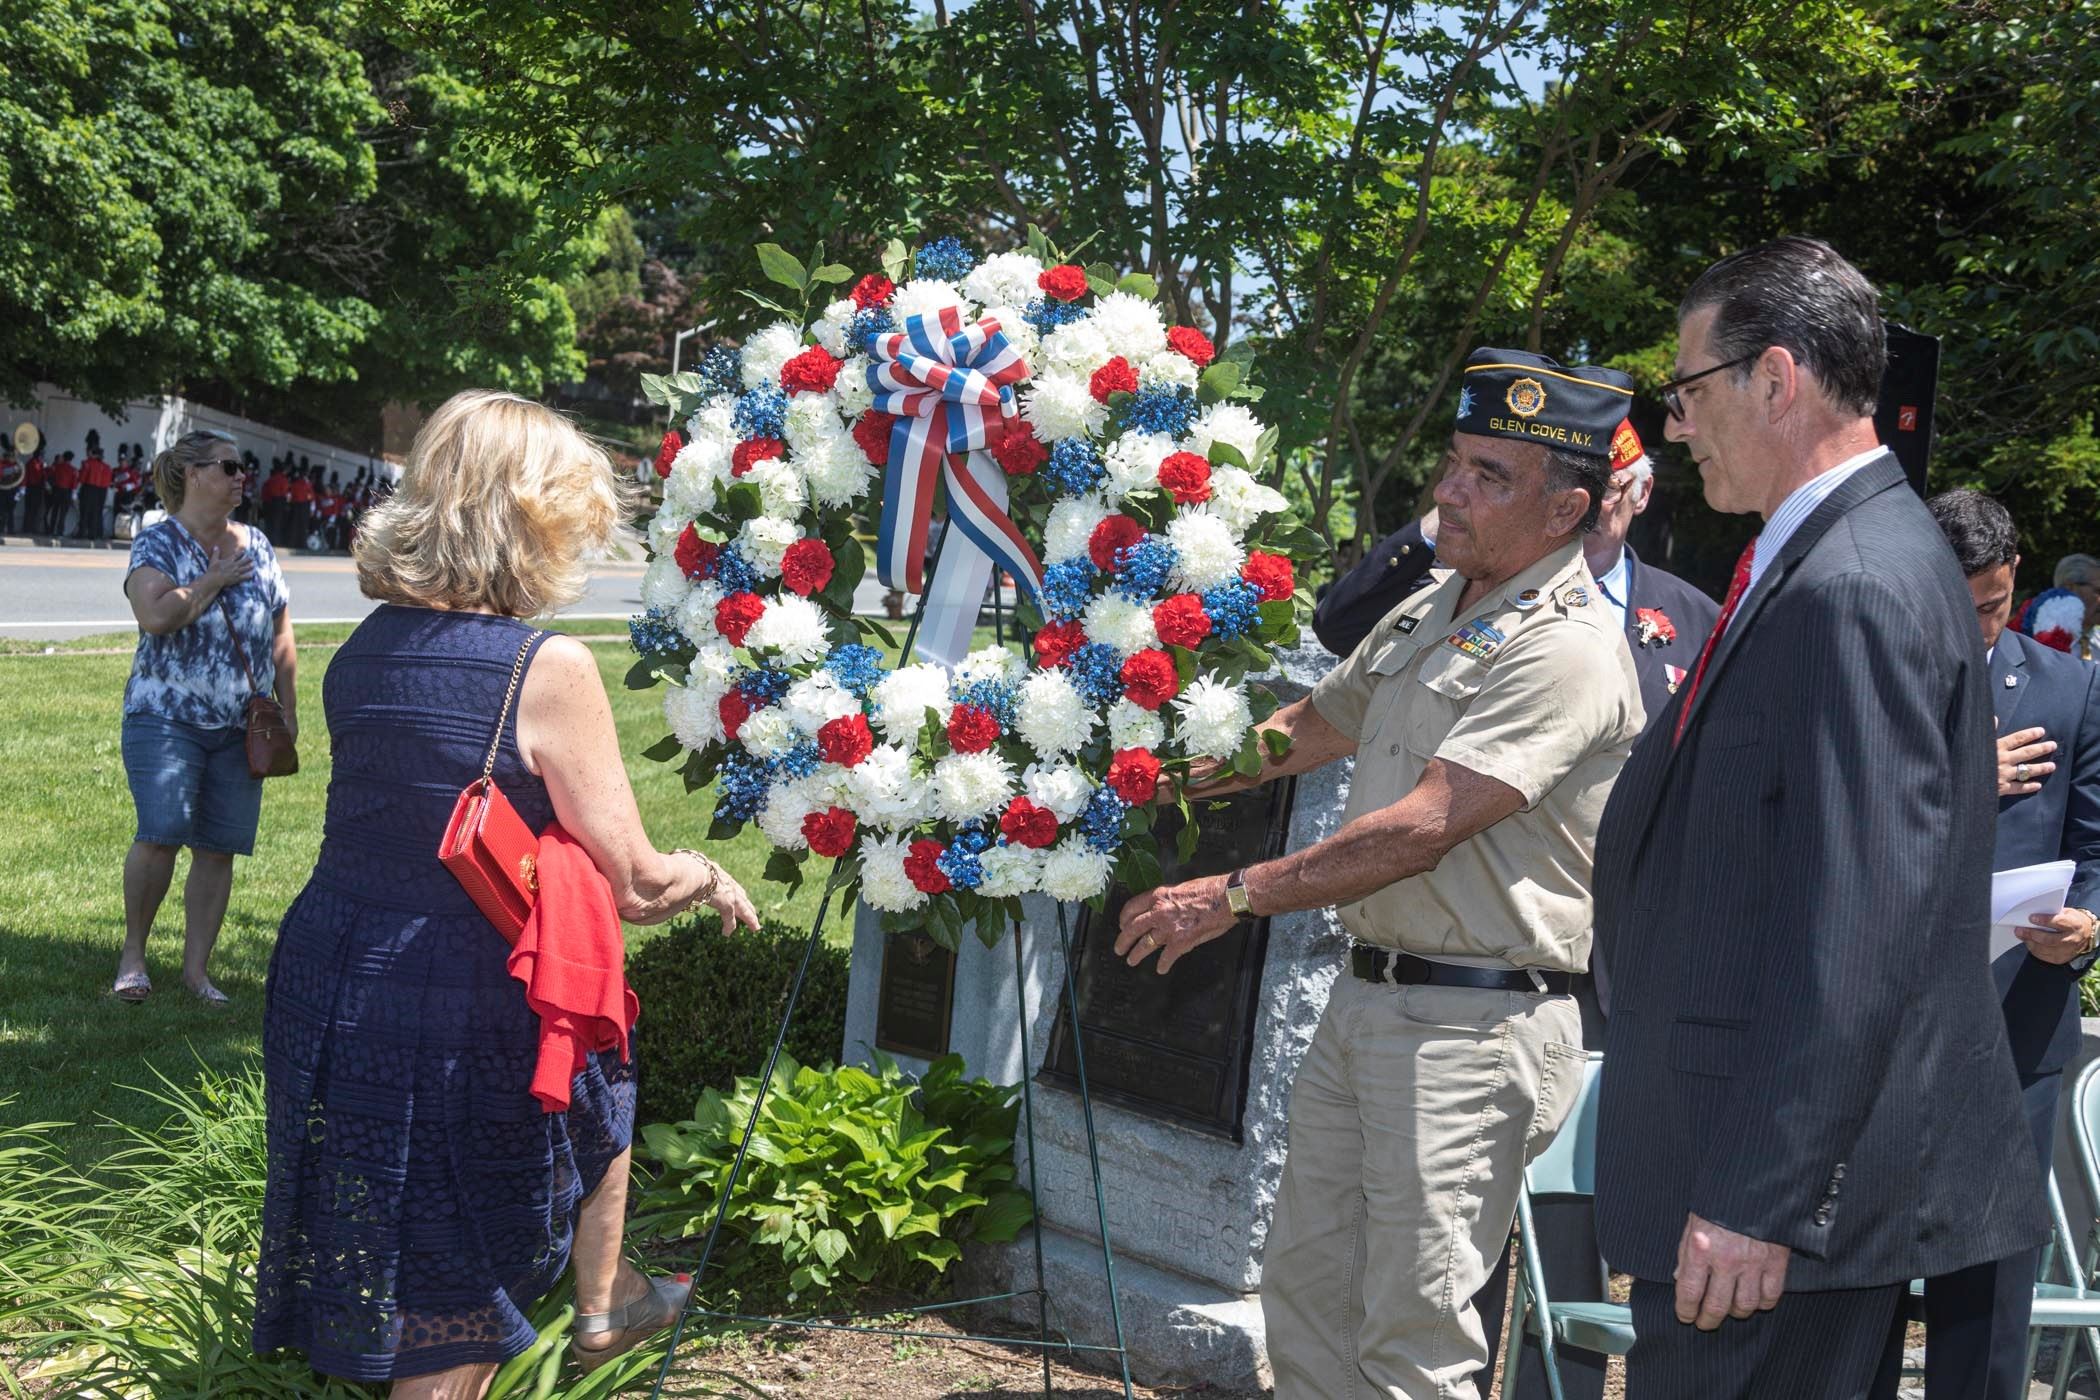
(1444, 685)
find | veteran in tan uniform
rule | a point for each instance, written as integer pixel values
(1489, 715)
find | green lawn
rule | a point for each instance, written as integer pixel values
(67, 1050)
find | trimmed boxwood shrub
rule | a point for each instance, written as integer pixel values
(711, 1007)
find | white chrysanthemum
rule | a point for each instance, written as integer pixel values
(1227, 423)
(1133, 463)
(969, 787)
(1071, 525)
(1051, 716)
(1059, 406)
(696, 615)
(694, 716)
(1074, 871)
(1132, 726)
(811, 419)
(830, 329)
(837, 471)
(903, 697)
(699, 466)
(786, 805)
(1168, 370)
(780, 490)
(883, 883)
(1241, 500)
(664, 584)
(1018, 333)
(763, 540)
(1004, 279)
(1075, 350)
(767, 732)
(1130, 325)
(882, 791)
(995, 664)
(1123, 624)
(1206, 549)
(815, 701)
(714, 421)
(1213, 718)
(767, 351)
(1060, 787)
(792, 627)
(855, 395)
(925, 296)
(665, 527)
(1010, 870)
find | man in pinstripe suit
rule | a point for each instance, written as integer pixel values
(1808, 1098)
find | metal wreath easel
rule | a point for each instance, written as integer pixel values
(1043, 1343)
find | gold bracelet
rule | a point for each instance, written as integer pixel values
(714, 878)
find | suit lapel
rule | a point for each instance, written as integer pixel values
(2008, 680)
(1633, 600)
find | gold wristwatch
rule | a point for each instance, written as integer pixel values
(1236, 893)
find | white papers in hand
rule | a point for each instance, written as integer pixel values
(2018, 895)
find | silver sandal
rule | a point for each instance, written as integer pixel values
(631, 1324)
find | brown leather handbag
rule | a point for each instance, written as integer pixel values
(271, 750)
(487, 846)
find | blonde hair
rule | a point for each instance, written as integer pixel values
(502, 505)
(171, 468)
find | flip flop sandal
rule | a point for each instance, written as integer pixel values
(132, 986)
(211, 996)
(631, 1324)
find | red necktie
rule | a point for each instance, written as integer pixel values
(1737, 586)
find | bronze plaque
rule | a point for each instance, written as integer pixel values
(917, 997)
(1177, 1046)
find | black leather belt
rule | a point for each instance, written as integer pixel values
(1384, 965)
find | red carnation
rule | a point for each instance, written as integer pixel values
(751, 451)
(971, 729)
(872, 432)
(1186, 477)
(735, 614)
(1064, 283)
(734, 707)
(1181, 621)
(872, 291)
(1020, 453)
(672, 445)
(830, 832)
(1118, 532)
(1134, 774)
(1115, 377)
(696, 557)
(1192, 345)
(1271, 574)
(922, 866)
(1149, 678)
(806, 566)
(1055, 644)
(811, 372)
(845, 740)
(1026, 824)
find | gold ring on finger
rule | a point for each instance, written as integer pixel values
(1150, 941)
(2019, 772)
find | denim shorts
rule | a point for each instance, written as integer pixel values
(191, 784)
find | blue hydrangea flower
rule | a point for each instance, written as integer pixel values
(1142, 568)
(855, 667)
(722, 370)
(653, 633)
(1234, 609)
(990, 696)
(1162, 408)
(1097, 674)
(801, 760)
(1074, 466)
(761, 412)
(742, 789)
(875, 320)
(945, 258)
(1068, 586)
(1046, 314)
(1101, 824)
(960, 861)
(734, 572)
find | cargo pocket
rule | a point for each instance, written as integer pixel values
(1560, 1085)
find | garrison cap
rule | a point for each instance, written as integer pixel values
(1516, 394)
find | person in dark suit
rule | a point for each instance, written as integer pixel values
(1808, 1098)
(2048, 711)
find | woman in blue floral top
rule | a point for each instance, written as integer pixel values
(185, 708)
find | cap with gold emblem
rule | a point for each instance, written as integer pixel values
(1516, 394)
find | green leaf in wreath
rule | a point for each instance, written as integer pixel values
(870, 627)
(1137, 867)
(894, 256)
(785, 867)
(1224, 454)
(742, 502)
(1218, 382)
(1276, 742)
(783, 267)
(1185, 840)
(835, 274)
(663, 750)
(1138, 284)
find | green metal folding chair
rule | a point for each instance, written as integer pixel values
(1566, 1168)
(2073, 1306)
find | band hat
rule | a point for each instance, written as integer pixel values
(1532, 398)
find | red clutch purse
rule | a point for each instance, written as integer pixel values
(487, 846)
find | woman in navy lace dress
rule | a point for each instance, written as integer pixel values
(419, 1198)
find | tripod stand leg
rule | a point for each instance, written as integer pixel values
(1042, 1291)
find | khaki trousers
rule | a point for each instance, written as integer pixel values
(1411, 1120)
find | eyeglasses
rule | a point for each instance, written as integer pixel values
(1668, 392)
